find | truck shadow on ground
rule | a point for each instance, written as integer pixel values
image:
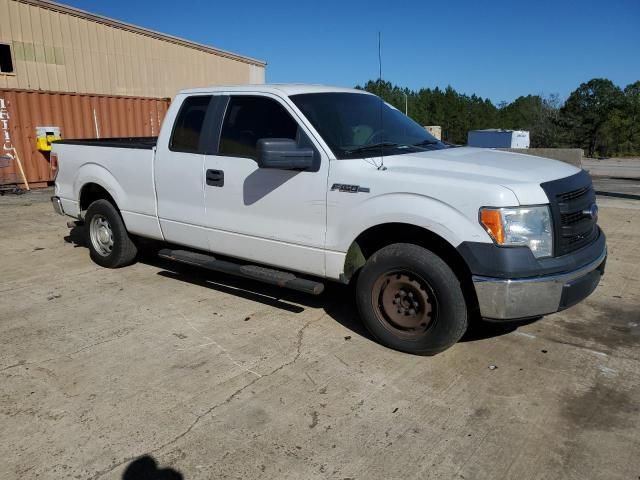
(337, 300)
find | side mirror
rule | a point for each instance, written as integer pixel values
(283, 153)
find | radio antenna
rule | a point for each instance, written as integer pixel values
(380, 56)
(381, 166)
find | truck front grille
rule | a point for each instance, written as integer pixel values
(569, 199)
(565, 197)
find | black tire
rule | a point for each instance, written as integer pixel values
(110, 245)
(405, 275)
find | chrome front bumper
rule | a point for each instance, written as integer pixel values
(57, 205)
(506, 299)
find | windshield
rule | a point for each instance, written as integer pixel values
(357, 125)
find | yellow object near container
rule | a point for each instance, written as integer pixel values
(45, 136)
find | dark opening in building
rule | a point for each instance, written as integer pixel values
(6, 62)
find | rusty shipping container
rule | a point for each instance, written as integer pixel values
(76, 115)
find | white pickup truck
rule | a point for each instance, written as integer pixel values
(296, 185)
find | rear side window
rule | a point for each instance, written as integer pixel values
(248, 119)
(187, 131)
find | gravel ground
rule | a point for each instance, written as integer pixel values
(613, 167)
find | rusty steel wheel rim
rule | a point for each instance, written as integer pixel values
(404, 302)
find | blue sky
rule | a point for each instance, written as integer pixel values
(495, 49)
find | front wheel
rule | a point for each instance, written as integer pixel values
(411, 300)
(107, 237)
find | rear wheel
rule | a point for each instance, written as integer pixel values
(411, 300)
(106, 235)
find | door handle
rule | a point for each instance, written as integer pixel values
(215, 178)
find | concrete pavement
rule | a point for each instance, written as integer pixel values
(214, 377)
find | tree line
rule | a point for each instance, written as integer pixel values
(598, 116)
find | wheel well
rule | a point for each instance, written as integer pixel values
(92, 192)
(375, 238)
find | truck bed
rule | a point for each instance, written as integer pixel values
(143, 143)
(122, 166)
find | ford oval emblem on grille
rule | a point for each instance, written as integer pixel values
(591, 212)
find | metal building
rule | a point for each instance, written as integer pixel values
(48, 46)
(69, 72)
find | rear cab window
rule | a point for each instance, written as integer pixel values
(187, 131)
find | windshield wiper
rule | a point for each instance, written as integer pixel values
(425, 143)
(372, 146)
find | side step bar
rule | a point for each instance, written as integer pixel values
(253, 272)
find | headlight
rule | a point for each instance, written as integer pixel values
(520, 226)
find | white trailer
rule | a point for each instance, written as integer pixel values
(496, 138)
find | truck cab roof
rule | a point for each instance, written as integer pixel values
(275, 88)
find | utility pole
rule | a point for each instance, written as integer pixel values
(406, 103)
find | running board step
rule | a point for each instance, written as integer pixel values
(253, 272)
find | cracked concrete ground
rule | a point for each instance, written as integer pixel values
(215, 377)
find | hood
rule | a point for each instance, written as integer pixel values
(519, 172)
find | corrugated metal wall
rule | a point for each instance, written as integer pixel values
(78, 116)
(58, 48)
